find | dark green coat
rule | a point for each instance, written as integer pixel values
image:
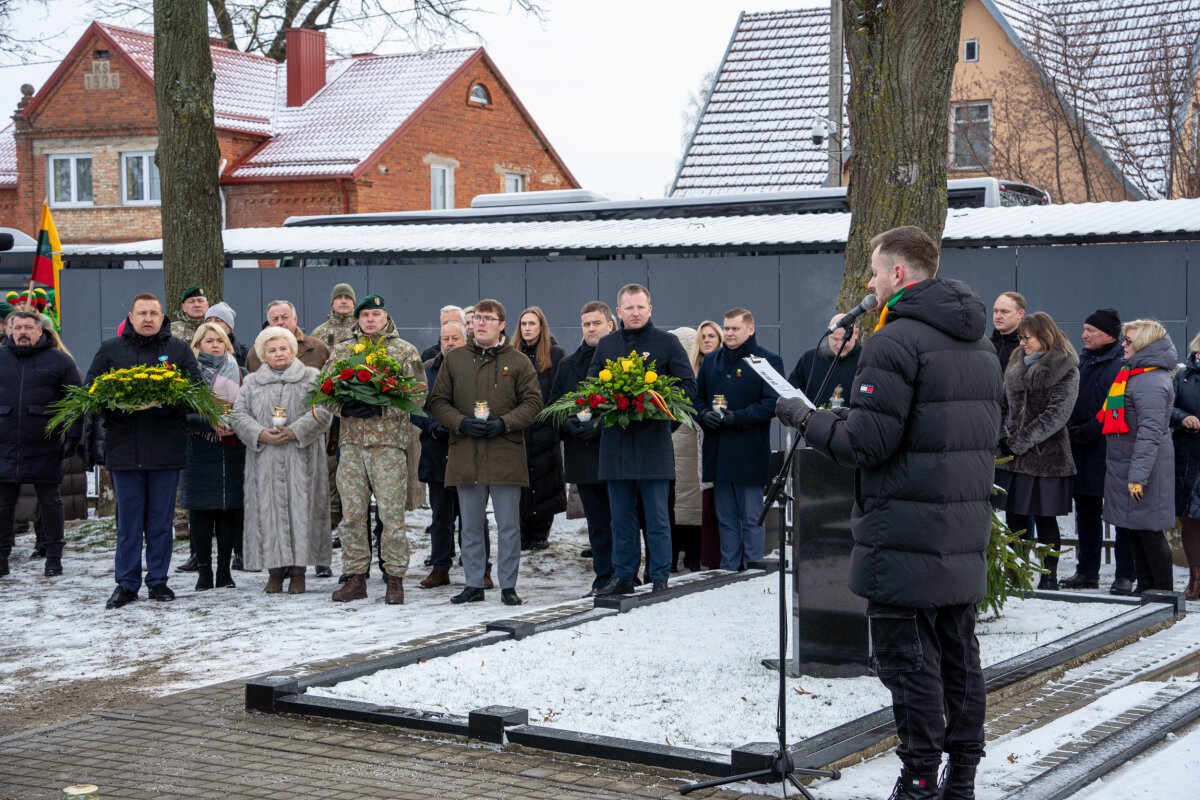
(508, 381)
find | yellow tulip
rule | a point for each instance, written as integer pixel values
(650, 377)
(605, 375)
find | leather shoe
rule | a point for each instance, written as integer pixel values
(615, 586)
(471, 594)
(1078, 581)
(1122, 587)
(436, 577)
(394, 596)
(162, 593)
(236, 563)
(1048, 582)
(487, 579)
(120, 597)
(509, 597)
(585, 553)
(323, 572)
(191, 565)
(659, 586)
(53, 568)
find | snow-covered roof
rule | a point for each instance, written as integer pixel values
(753, 134)
(365, 100)
(8, 157)
(1078, 222)
(1121, 66)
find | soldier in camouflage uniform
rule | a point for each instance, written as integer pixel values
(193, 306)
(338, 327)
(340, 324)
(374, 440)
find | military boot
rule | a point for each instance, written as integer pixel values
(395, 591)
(355, 588)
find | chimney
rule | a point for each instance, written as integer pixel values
(305, 64)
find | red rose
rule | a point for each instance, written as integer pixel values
(364, 375)
(346, 374)
(622, 403)
(581, 401)
(327, 387)
(594, 401)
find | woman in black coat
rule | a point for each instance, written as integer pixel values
(215, 463)
(1040, 386)
(546, 494)
(1185, 419)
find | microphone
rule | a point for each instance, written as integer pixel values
(869, 303)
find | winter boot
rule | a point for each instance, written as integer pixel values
(958, 782)
(913, 785)
(204, 578)
(1193, 587)
(437, 577)
(395, 591)
(191, 565)
(487, 579)
(296, 580)
(275, 581)
(53, 567)
(224, 579)
(354, 589)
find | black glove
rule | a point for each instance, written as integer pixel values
(574, 426)
(1003, 448)
(794, 412)
(474, 427)
(438, 431)
(494, 427)
(594, 427)
(711, 419)
(68, 448)
(727, 420)
(358, 410)
(1074, 433)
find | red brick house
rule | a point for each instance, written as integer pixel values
(310, 136)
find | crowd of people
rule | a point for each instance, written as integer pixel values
(279, 497)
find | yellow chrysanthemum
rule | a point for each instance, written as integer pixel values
(93, 389)
(156, 377)
(626, 364)
(125, 380)
(605, 375)
(358, 348)
(371, 359)
(107, 377)
(650, 377)
(141, 375)
(180, 380)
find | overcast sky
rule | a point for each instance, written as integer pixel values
(606, 81)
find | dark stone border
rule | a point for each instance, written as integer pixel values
(498, 724)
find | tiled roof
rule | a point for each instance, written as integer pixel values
(363, 102)
(753, 133)
(8, 157)
(1112, 62)
(1065, 222)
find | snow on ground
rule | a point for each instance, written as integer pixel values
(57, 630)
(1172, 769)
(687, 672)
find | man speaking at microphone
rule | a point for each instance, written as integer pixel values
(921, 424)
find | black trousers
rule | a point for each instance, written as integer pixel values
(1151, 559)
(928, 658)
(599, 521)
(207, 524)
(443, 503)
(50, 508)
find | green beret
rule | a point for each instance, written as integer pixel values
(192, 291)
(6, 309)
(370, 301)
(343, 289)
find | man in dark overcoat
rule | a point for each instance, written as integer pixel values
(813, 365)
(581, 442)
(923, 419)
(144, 451)
(33, 374)
(640, 459)
(736, 456)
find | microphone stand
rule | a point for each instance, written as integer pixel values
(782, 768)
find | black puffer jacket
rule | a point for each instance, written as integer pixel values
(1097, 370)
(1005, 344)
(923, 419)
(581, 456)
(434, 449)
(546, 494)
(1187, 442)
(1038, 399)
(157, 437)
(32, 378)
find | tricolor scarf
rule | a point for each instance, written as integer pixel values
(1112, 415)
(894, 299)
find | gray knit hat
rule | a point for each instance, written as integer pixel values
(343, 289)
(222, 311)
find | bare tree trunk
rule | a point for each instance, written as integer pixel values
(188, 156)
(902, 55)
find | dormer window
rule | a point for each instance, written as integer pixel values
(479, 94)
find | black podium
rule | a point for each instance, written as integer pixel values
(829, 621)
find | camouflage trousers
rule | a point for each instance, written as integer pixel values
(384, 472)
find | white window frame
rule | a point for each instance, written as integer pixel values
(967, 46)
(73, 159)
(979, 160)
(148, 164)
(445, 174)
(521, 180)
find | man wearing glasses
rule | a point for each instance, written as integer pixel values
(486, 394)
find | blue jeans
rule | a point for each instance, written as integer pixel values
(145, 510)
(738, 506)
(599, 520)
(627, 549)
